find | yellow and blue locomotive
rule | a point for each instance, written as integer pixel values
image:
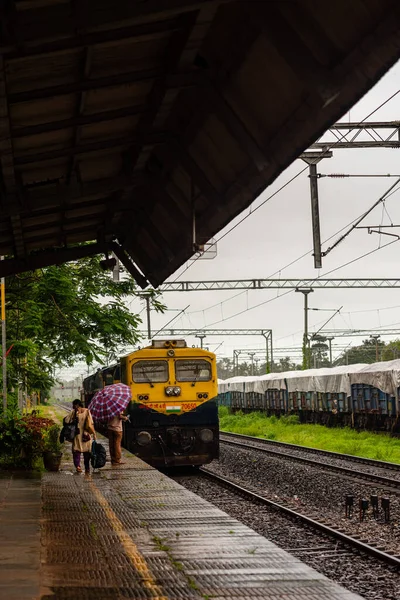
(173, 415)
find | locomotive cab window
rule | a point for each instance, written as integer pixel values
(193, 370)
(150, 371)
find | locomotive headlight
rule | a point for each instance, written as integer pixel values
(206, 435)
(143, 438)
(173, 391)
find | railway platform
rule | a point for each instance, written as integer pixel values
(130, 532)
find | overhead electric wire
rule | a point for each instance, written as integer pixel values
(389, 192)
(354, 312)
(365, 214)
(345, 175)
(329, 146)
(275, 272)
(330, 319)
(350, 224)
(171, 320)
(310, 284)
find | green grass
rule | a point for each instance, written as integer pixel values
(93, 530)
(379, 446)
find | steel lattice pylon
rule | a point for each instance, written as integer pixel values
(276, 284)
(265, 333)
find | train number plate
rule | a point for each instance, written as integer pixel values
(189, 406)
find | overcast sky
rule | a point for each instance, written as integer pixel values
(280, 232)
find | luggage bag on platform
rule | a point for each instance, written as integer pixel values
(98, 455)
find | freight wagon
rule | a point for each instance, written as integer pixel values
(359, 396)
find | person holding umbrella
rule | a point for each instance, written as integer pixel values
(115, 438)
(107, 406)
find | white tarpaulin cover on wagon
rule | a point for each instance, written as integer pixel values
(383, 375)
(334, 380)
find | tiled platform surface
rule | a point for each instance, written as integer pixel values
(20, 513)
(131, 532)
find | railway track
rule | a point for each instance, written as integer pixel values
(296, 453)
(329, 530)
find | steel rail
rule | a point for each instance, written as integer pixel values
(360, 459)
(326, 529)
(364, 476)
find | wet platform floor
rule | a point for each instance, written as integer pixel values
(130, 532)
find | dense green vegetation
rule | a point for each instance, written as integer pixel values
(23, 438)
(62, 314)
(288, 429)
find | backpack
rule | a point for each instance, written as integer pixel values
(69, 431)
(99, 456)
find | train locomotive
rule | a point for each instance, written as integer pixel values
(363, 396)
(173, 415)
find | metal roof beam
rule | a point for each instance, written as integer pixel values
(237, 128)
(78, 121)
(160, 89)
(55, 20)
(49, 257)
(139, 33)
(149, 138)
(7, 173)
(173, 80)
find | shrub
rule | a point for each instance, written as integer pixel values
(51, 439)
(290, 420)
(22, 439)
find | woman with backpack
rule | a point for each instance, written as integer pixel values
(82, 440)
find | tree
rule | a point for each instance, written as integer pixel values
(365, 353)
(319, 352)
(391, 350)
(62, 314)
(285, 364)
(225, 368)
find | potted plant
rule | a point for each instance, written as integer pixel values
(52, 448)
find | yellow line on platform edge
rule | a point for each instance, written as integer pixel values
(131, 550)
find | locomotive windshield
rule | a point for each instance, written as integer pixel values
(193, 370)
(150, 371)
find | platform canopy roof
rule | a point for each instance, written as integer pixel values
(118, 117)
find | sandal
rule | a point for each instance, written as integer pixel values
(78, 470)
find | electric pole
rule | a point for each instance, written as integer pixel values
(376, 338)
(251, 354)
(329, 339)
(312, 158)
(147, 298)
(306, 353)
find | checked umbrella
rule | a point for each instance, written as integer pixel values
(110, 402)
